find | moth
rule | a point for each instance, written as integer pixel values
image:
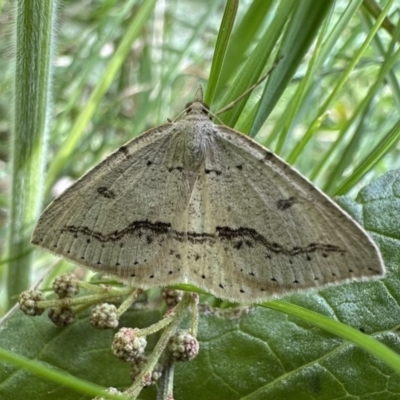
(194, 202)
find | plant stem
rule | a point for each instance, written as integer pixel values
(166, 384)
(137, 386)
(34, 43)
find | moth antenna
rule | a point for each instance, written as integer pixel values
(199, 94)
(250, 89)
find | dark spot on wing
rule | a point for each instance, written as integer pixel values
(267, 156)
(238, 244)
(284, 204)
(149, 163)
(179, 168)
(239, 167)
(124, 150)
(107, 193)
(209, 171)
(374, 270)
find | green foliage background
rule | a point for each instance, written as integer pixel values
(121, 67)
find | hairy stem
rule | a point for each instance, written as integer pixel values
(34, 43)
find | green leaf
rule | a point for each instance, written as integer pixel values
(79, 349)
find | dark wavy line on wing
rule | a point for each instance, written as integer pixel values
(237, 237)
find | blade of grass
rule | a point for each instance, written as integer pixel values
(305, 91)
(344, 158)
(391, 76)
(87, 60)
(114, 65)
(221, 46)
(302, 29)
(288, 117)
(364, 110)
(62, 378)
(389, 140)
(373, 8)
(159, 98)
(256, 63)
(242, 38)
(369, 344)
(341, 82)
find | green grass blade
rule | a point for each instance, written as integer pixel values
(255, 64)
(59, 377)
(243, 38)
(363, 110)
(221, 46)
(302, 29)
(304, 93)
(113, 67)
(344, 331)
(387, 143)
(338, 87)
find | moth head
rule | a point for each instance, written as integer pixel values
(197, 107)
